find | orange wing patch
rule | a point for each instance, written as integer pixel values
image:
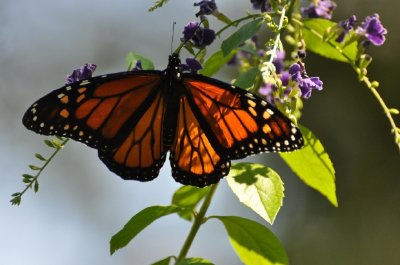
(193, 159)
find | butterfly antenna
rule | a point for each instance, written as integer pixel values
(173, 33)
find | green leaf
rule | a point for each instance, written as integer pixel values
(36, 186)
(241, 35)
(49, 143)
(313, 165)
(165, 261)
(194, 261)
(157, 4)
(215, 62)
(187, 197)
(313, 33)
(132, 58)
(253, 242)
(247, 79)
(258, 187)
(40, 157)
(221, 17)
(27, 176)
(137, 223)
(34, 167)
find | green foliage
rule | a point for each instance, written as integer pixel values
(165, 261)
(253, 242)
(30, 181)
(215, 62)
(241, 35)
(132, 58)
(313, 165)
(157, 4)
(247, 78)
(194, 261)
(187, 198)
(137, 223)
(314, 31)
(258, 187)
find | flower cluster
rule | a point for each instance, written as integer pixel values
(84, 72)
(370, 31)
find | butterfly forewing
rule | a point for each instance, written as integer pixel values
(241, 122)
(94, 111)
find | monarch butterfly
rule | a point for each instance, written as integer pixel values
(134, 118)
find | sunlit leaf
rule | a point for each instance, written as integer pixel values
(258, 187)
(313, 165)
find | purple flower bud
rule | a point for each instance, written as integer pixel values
(207, 7)
(138, 66)
(285, 78)
(373, 30)
(278, 61)
(84, 72)
(261, 4)
(191, 65)
(346, 26)
(319, 9)
(200, 36)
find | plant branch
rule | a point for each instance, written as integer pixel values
(198, 221)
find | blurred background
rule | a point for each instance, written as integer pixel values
(80, 204)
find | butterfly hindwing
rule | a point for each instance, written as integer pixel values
(94, 111)
(241, 122)
(142, 153)
(193, 159)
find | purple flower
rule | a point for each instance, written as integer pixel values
(261, 4)
(345, 26)
(207, 7)
(191, 65)
(305, 83)
(373, 30)
(84, 72)
(200, 36)
(319, 9)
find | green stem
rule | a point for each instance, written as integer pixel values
(275, 47)
(199, 218)
(43, 167)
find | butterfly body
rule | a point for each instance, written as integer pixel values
(135, 118)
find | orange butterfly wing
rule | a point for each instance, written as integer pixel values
(142, 152)
(218, 122)
(120, 114)
(194, 160)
